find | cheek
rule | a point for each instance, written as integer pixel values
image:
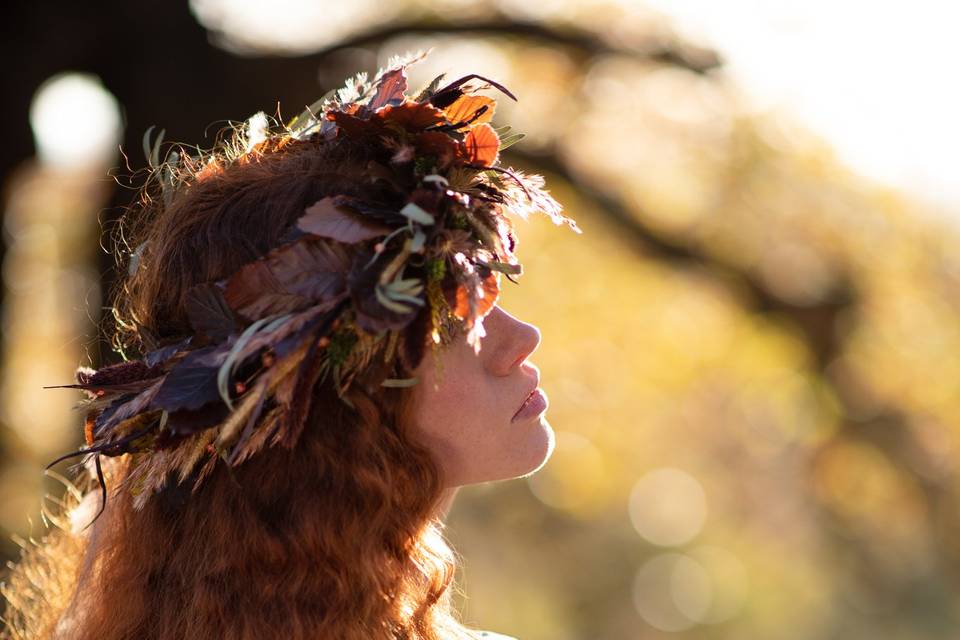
(454, 414)
(455, 422)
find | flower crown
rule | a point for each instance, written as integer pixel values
(354, 285)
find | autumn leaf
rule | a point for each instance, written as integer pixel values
(354, 126)
(374, 211)
(208, 311)
(467, 106)
(482, 145)
(410, 115)
(192, 382)
(121, 411)
(162, 354)
(289, 278)
(329, 218)
(390, 88)
(482, 294)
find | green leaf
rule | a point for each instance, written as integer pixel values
(509, 141)
(399, 382)
(230, 364)
(383, 299)
(152, 151)
(503, 267)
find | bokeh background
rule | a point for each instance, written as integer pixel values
(751, 352)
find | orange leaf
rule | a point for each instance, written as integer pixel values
(491, 292)
(483, 145)
(466, 106)
(88, 426)
(411, 115)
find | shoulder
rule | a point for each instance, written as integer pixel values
(490, 635)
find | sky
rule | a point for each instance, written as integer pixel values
(877, 79)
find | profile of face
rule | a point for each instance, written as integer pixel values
(466, 414)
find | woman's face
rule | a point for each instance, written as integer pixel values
(464, 413)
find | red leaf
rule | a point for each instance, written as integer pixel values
(330, 219)
(491, 291)
(391, 87)
(483, 145)
(208, 312)
(290, 277)
(354, 126)
(192, 382)
(412, 116)
(120, 411)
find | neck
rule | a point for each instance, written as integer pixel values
(445, 502)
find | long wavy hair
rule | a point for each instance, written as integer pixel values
(336, 538)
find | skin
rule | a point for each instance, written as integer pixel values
(463, 414)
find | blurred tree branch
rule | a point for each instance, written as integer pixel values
(699, 60)
(818, 321)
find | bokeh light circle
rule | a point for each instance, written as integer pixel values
(668, 507)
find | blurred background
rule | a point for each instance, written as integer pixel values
(751, 352)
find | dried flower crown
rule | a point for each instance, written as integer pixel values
(354, 286)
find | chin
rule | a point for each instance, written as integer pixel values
(541, 445)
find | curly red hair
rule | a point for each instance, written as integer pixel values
(337, 537)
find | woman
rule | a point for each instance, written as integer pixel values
(324, 365)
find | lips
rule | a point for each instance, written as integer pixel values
(533, 390)
(522, 404)
(534, 406)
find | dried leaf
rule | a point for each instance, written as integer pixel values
(330, 218)
(476, 296)
(482, 145)
(192, 382)
(466, 107)
(233, 360)
(400, 382)
(379, 212)
(246, 412)
(193, 452)
(364, 277)
(390, 89)
(353, 126)
(295, 417)
(163, 354)
(254, 442)
(125, 409)
(411, 116)
(294, 276)
(208, 311)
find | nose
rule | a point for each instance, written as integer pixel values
(513, 340)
